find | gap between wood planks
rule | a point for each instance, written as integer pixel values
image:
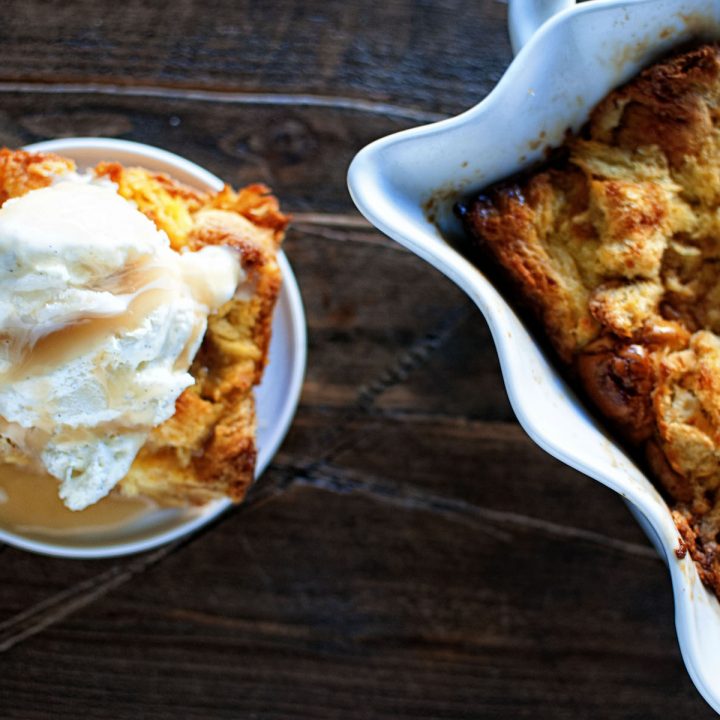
(341, 228)
(346, 221)
(227, 97)
(353, 228)
(325, 477)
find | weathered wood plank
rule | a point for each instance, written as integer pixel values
(301, 152)
(442, 55)
(319, 604)
(472, 465)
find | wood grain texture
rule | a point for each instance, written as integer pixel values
(442, 55)
(410, 553)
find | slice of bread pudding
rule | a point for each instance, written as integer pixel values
(207, 449)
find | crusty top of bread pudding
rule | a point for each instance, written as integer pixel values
(615, 247)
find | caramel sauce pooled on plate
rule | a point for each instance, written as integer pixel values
(30, 502)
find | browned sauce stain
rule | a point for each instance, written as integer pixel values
(429, 209)
(681, 549)
(691, 24)
(629, 54)
(30, 503)
(535, 144)
(699, 22)
(442, 198)
(67, 343)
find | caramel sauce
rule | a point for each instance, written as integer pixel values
(70, 341)
(130, 279)
(30, 503)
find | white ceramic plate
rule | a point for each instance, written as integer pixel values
(277, 396)
(565, 68)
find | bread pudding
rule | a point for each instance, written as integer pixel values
(614, 247)
(205, 447)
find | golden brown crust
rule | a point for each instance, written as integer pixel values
(615, 246)
(207, 448)
(22, 171)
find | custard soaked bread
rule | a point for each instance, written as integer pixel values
(207, 448)
(615, 246)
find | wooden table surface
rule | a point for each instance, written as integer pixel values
(410, 552)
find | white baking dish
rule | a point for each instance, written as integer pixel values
(566, 67)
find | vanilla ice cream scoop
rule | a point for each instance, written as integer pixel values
(99, 322)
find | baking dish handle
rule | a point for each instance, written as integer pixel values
(526, 16)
